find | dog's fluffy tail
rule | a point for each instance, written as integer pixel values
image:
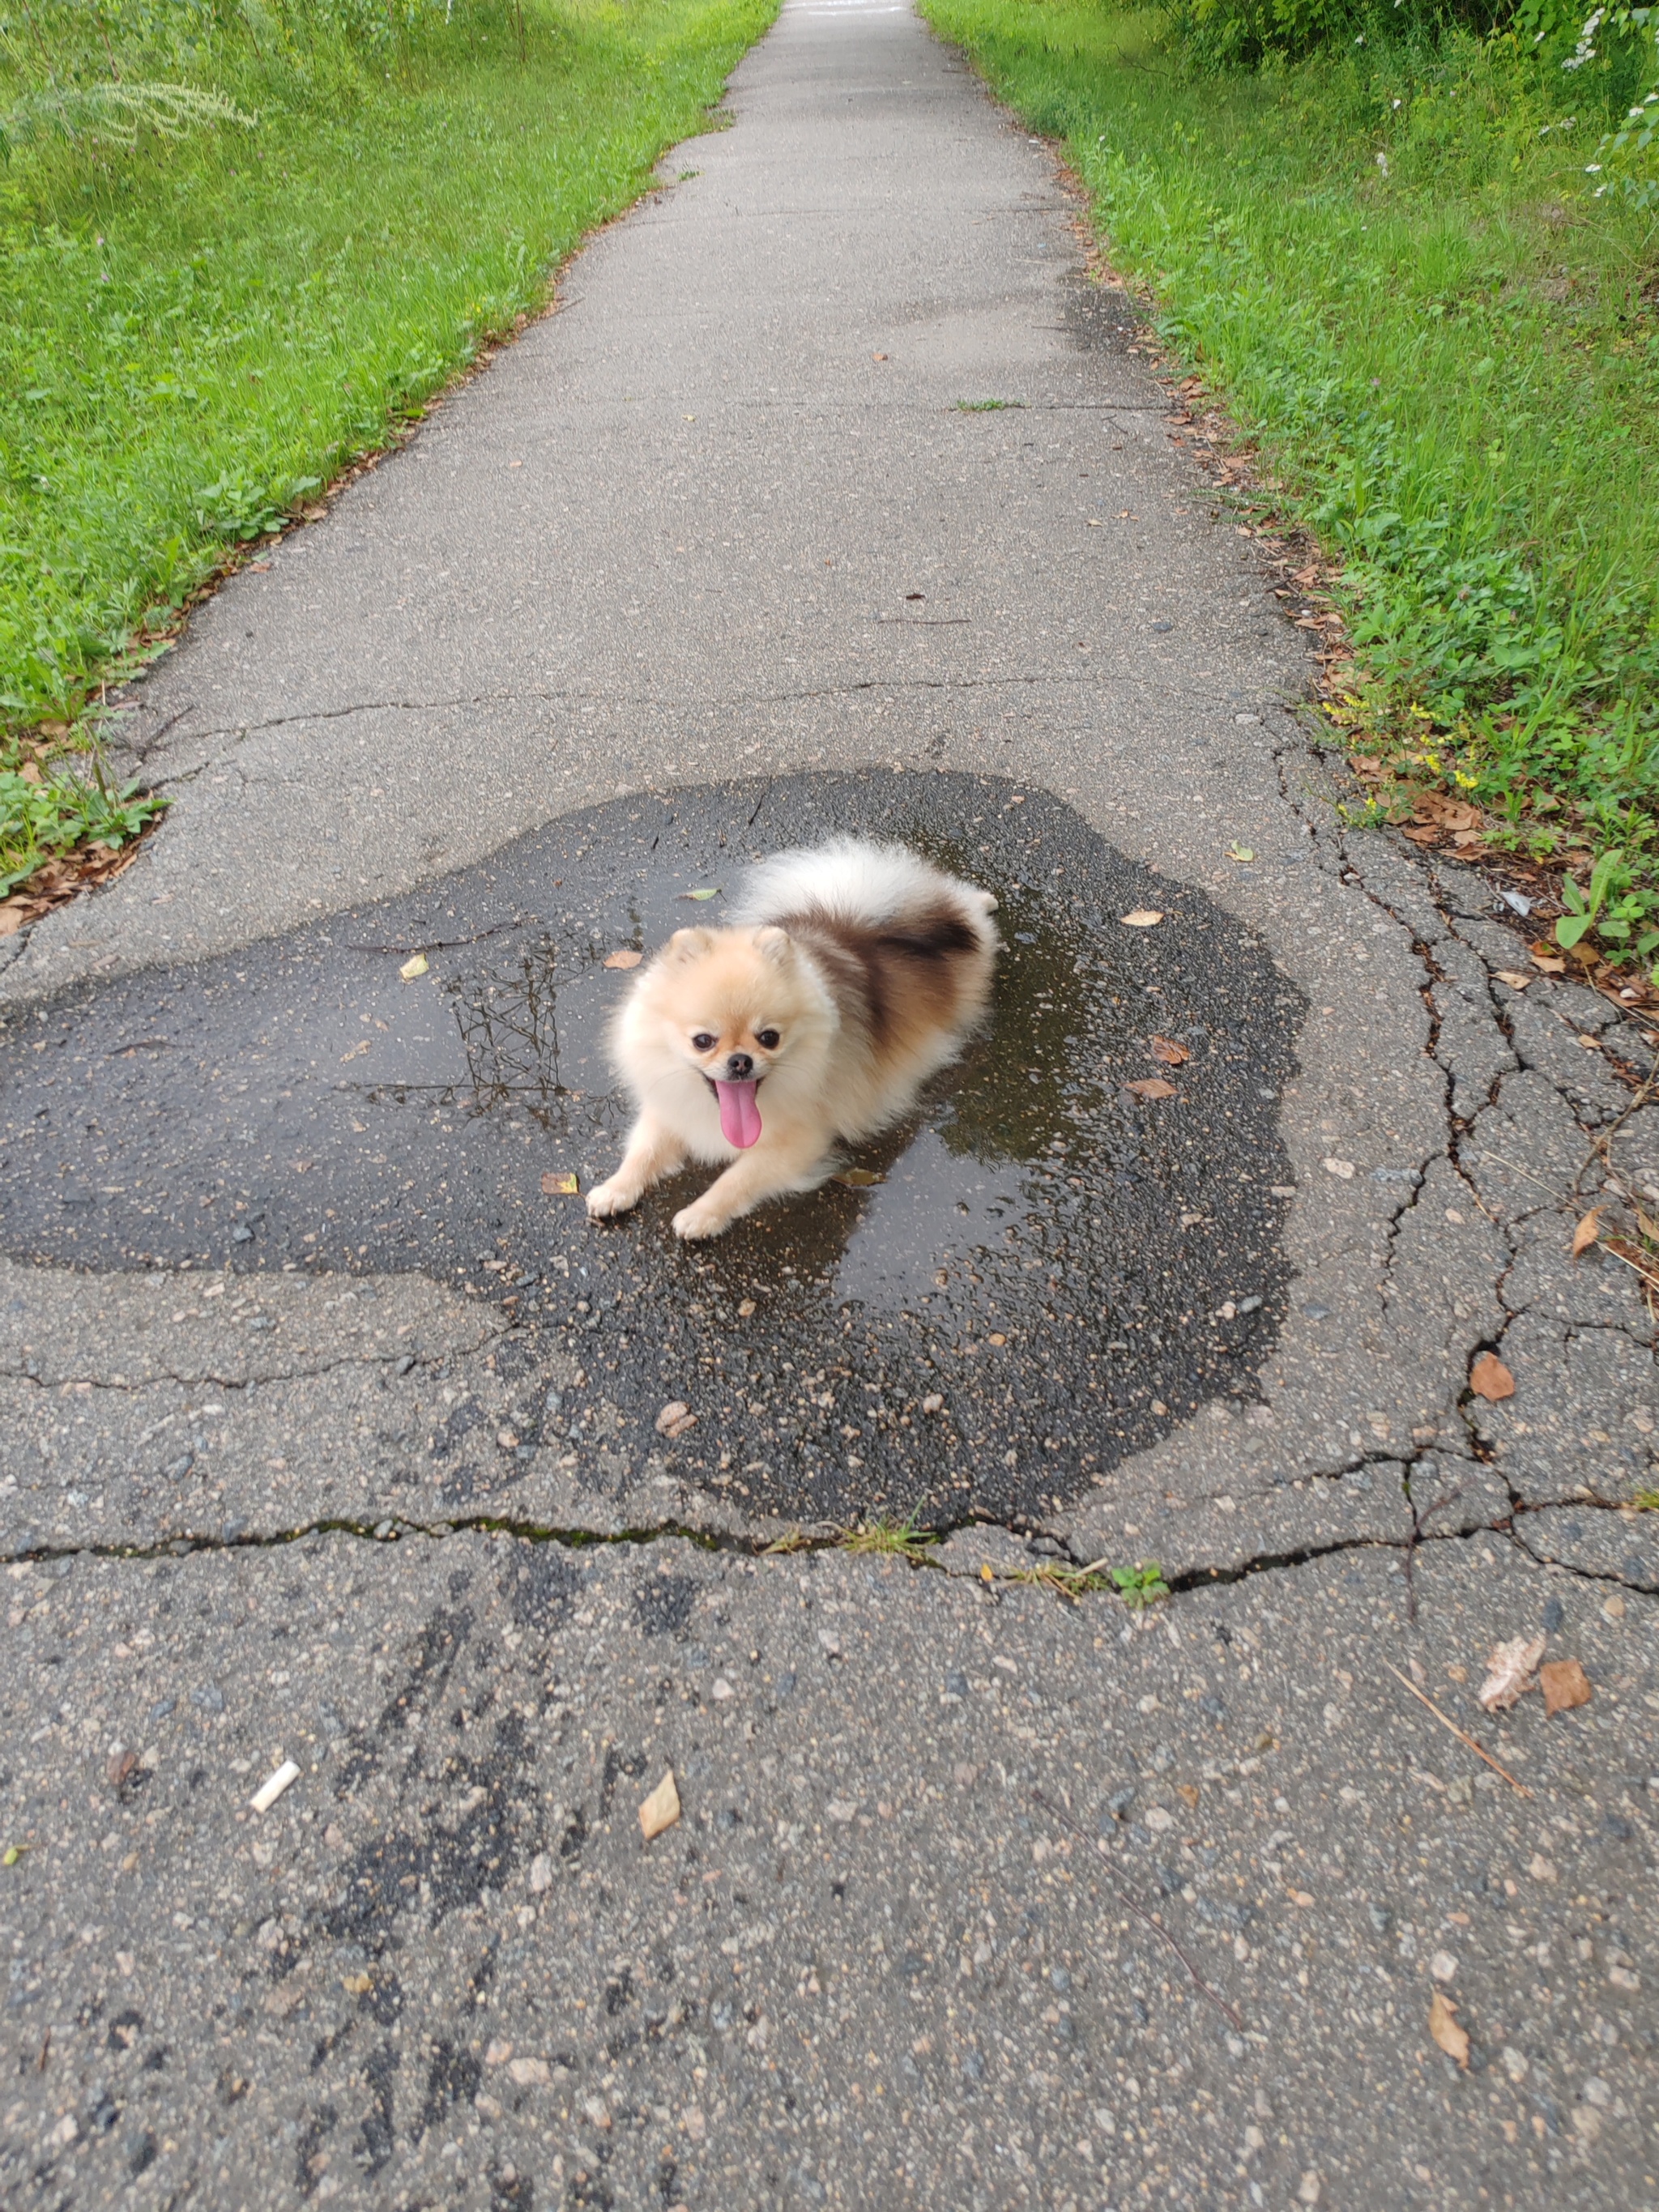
(864, 886)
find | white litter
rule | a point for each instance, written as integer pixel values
(273, 1788)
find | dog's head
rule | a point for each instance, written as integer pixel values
(732, 1005)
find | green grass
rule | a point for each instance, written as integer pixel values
(197, 333)
(1449, 357)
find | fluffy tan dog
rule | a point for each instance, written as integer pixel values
(854, 973)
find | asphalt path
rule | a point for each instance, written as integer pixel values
(836, 492)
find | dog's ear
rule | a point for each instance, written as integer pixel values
(687, 944)
(774, 945)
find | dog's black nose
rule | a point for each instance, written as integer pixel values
(739, 1066)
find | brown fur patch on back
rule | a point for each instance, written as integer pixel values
(900, 982)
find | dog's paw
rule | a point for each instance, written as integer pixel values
(615, 1196)
(700, 1219)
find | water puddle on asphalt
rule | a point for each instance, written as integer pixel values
(1044, 1253)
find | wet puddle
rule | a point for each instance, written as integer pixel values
(1046, 1253)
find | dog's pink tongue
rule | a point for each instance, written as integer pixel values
(739, 1115)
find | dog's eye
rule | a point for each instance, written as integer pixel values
(768, 1038)
(702, 1042)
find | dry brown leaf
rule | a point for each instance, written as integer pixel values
(13, 912)
(1548, 963)
(1516, 981)
(1490, 1379)
(1587, 1231)
(623, 957)
(661, 1809)
(1151, 1086)
(1144, 917)
(1564, 1685)
(1443, 2027)
(554, 1185)
(1509, 1671)
(1421, 833)
(1648, 1225)
(858, 1178)
(1171, 1053)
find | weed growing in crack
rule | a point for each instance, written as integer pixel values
(901, 1540)
(1141, 1586)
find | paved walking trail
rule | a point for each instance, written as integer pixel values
(835, 493)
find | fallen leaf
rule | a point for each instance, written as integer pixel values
(411, 969)
(13, 915)
(1587, 1231)
(556, 1185)
(701, 895)
(362, 1046)
(1516, 981)
(1509, 1671)
(1647, 1224)
(12, 1853)
(1490, 1379)
(1171, 1053)
(1564, 1685)
(858, 1178)
(675, 1419)
(1144, 917)
(1240, 853)
(1548, 964)
(661, 1809)
(121, 1765)
(1443, 2027)
(623, 957)
(1151, 1086)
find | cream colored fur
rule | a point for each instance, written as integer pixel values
(828, 1077)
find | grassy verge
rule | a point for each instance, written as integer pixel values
(1392, 265)
(198, 332)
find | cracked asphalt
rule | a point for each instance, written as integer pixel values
(318, 1444)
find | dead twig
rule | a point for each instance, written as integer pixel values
(1479, 1751)
(1130, 1905)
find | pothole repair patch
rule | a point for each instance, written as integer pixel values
(1048, 1271)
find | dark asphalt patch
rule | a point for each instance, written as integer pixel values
(1069, 1268)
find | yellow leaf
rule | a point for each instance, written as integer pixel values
(558, 1186)
(411, 969)
(1443, 2027)
(661, 1809)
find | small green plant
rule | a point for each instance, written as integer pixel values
(1646, 1501)
(901, 1540)
(985, 406)
(1073, 1583)
(1141, 1586)
(40, 820)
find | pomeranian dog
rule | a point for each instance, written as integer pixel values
(852, 972)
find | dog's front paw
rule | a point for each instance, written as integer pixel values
(615, 1196)
(700, 1218)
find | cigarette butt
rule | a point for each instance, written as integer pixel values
(273, 1788)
